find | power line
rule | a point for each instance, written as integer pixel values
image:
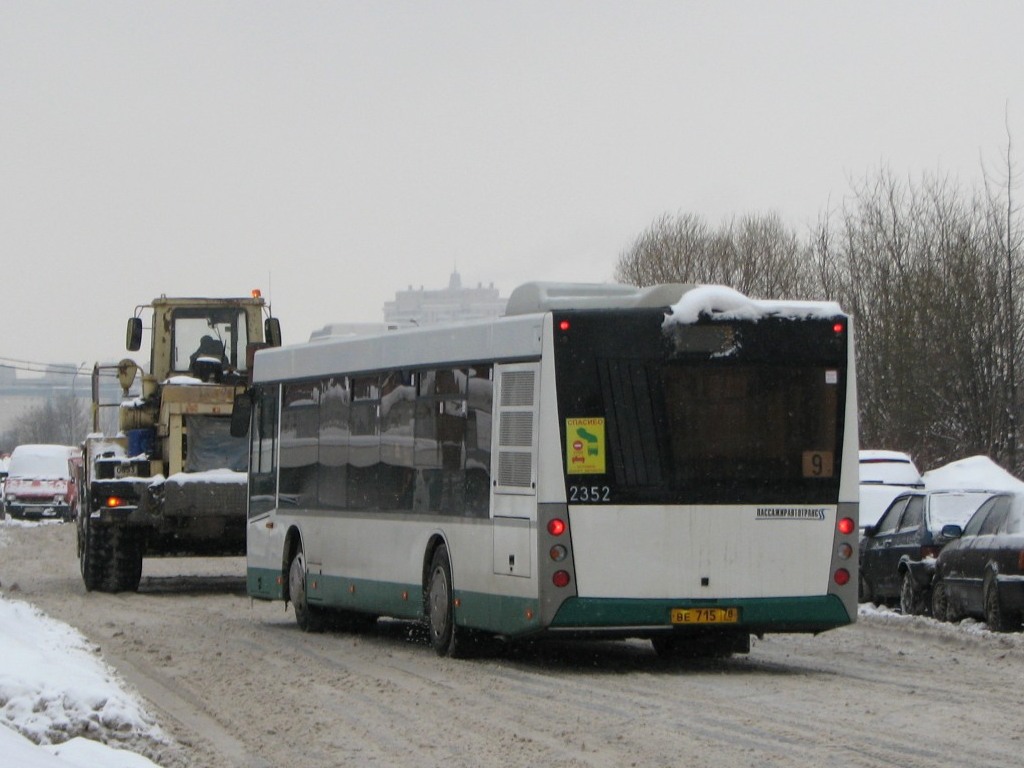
(54, 369)
(29, 365)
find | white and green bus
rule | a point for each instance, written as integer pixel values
(677, 463)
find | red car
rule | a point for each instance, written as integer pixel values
(42, 482)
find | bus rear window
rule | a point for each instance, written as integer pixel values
(760, 423)
(750, 423)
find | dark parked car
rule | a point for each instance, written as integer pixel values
(897, 556)
(981, 572)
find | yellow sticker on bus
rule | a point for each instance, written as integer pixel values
(584, 446)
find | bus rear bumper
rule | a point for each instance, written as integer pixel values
(755, 616)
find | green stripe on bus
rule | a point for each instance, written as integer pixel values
(781, 614)
(263, 583)
(514, 616)
(500, 614)
(493, 613)
(383, 598)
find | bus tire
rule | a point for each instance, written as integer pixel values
(309, 618)
(440, 606)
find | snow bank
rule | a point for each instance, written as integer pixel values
(729, 304)
(965, 628)
(77, 753)
(54, 689)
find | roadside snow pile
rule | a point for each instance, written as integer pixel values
(959, 629)
(974, 472)
(54, 688)
(77, 753)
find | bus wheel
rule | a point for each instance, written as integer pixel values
(444, 635)
(307, 617)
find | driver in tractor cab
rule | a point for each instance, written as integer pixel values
(208, 360)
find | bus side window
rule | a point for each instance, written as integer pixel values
(262, 452)
(480, 400)
(334, 443)
(397, 466)
(364, 443)
(451, 433)
(300, 433)
(440, 442)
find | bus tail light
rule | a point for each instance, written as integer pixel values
(558, 553)
(841, 577)
(560, 579)
(846, 526)
(556, 526)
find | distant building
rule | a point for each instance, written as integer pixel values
(22, 391)
(428, 307)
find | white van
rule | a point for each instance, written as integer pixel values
(884, 475)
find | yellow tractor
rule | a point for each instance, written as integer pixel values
(172, 480)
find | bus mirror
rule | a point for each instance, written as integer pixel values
(133, 337)
(240, 414)
(272, 331)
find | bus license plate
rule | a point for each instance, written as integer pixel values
(705, 615)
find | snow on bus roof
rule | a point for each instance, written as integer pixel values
(726, 303)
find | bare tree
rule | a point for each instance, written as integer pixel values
(757, 255)
(917, 265)
(63, 420)
(1005, 237)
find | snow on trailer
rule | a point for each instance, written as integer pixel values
(676, 463)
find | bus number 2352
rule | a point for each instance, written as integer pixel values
(590, 493)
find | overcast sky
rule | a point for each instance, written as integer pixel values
(332, 153)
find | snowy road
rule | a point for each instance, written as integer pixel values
(237, 684)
